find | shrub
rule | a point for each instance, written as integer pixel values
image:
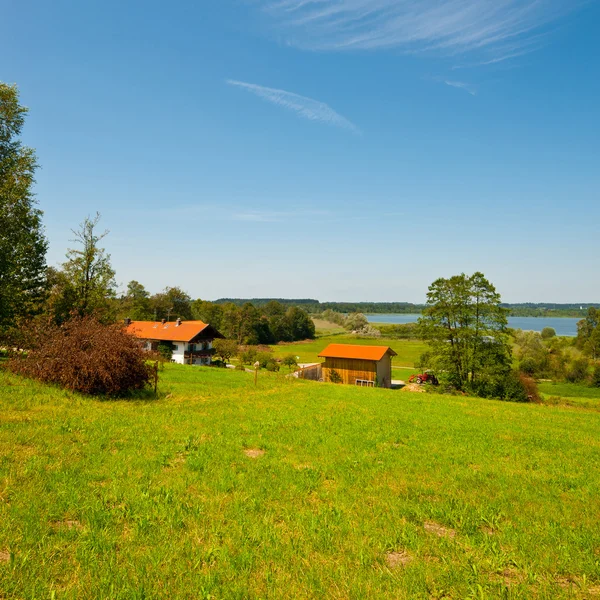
(548, 332)
(335, 377)
(248, 356)
(530, 387)
(577, 371)
(165, 349)
(596, 377)
(272, 365)
(85, 356)
(289, 361)
(263, 358)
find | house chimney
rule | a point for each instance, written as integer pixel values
(178, 323)
(163, 321)
(127, 321)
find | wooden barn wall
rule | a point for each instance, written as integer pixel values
(350, 369)
(384, 371)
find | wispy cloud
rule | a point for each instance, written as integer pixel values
(310, 109)
(274, 216)
(490, 28)
(461, 85)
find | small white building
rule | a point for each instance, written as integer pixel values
(192, 341)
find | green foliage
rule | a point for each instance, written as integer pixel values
(22, 242)
(272, 365)
(264, 357)
(86, 285)
(465, 328)
(548, 332)
(165, 349)
(289, 361)
(406, 331)
(588, 333)
(335, 377)
(226, 349)
(578, 370)
(135, 304)
(171, 304)
(209, 312)
(533, 355)
(595, 382)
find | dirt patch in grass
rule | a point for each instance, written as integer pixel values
(396, 560)
(439, 530)
(510, 576)
(413, 387)
(4, 556)
(68, 524)
(254, 452)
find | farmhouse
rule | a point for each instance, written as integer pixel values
(358, 365)
(192, 341)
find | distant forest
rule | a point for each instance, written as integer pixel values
(525, 309)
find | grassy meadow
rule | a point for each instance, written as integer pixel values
(294, 489)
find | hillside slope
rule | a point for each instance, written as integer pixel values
(294, 489)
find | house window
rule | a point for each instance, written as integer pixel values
(192, 347)
(175, 347)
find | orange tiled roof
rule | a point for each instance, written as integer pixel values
(170, 332)
(356, 351)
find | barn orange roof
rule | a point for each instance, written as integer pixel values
(355, 351)
(171, 332)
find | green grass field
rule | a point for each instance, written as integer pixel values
(294, 489)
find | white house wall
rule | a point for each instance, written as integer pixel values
(178, 352)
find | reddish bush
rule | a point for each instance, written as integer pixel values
(530, 387)
(86, 356)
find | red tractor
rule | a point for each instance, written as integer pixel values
(425, 377)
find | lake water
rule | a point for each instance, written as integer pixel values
(562, 326)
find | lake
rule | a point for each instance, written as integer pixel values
(563, 326)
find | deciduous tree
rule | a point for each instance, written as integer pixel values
(465, 327)
(89, 274)
(22, 242)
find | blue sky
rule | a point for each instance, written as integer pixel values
(333, 149)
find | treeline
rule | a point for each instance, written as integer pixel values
(315, 307)
(312, 306)
(529, 309)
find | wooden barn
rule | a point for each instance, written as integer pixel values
(358, 365)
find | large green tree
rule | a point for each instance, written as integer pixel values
(466, 330)
(22, 242)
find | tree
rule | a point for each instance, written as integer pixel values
(135, 304)
(356, 322)
(209, 312)
(533, 355)
(22, 242)
(225, 349)
(172, 303)
(89, 273)
(548, 332)
(588, 333)
(465, 328)
(300, 324)
(289, 361)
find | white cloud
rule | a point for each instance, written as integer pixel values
(491, 28)
(467, 87)
(310, 109)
